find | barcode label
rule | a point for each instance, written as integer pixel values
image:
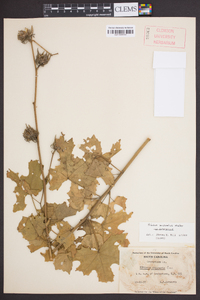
(120, 31)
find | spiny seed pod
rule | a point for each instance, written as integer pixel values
(30, 134)
(26, 35)
(42, 59)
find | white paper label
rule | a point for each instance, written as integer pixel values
(157, 270)
(169, 83)
(126, 9)
(120, 30)
(167, 232)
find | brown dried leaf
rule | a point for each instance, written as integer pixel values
(121, 201)
(57, 212)
(100, 168)
(46, 255)
(70, 168)
(101, 260)
(63, 261)
(33, 230)
(124, 242)
(65, 236)
(72, 250)
(114, 150)
(101, 210)
(98, 165)
(20, 192)
(88, 225)
(114, 220)
(33, 179)
(26, 185)
(91, 146)
(77, 196)
(92, 241)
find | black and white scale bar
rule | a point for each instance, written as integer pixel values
(78, 10)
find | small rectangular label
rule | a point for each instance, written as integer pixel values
(126, 9)
(157, 270)
(167, 232)
(159, 36)
(120, 30)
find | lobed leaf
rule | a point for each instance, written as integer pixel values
(121, 201)
(57, 212)
(33, 230)
(70, 168)
(114, 220)
(65, 237)
(26, 185)
(63, 261)
(101, 260)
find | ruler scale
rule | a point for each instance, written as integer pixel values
(78, 10)
(130, 9)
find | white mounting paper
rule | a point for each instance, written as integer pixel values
(169, 83)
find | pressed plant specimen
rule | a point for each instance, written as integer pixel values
(97, 249)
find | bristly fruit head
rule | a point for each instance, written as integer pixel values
(26, 35)
(30, 134)
(42, 59)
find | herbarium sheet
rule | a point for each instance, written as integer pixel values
(78, 92)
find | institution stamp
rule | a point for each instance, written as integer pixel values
(159, 36)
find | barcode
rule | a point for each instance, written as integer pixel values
(116, 30)
(120, 32)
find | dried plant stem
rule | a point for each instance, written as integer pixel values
(47, 178)
(44, 48)
(34, 203)
(108, 162)
(97, 244)
(39, 153)
(108, 190)
(111, 186)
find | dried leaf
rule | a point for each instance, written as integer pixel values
(92, 241)
(88, 226)
(63, 261)
(26, 185)
(33, 179)
(20, 192)
(70, 168)
(57, 212)
(101, 210)
(33, 230)
(114, 150)
(98, 165)
(72, 250)
(65, 236)
(101, 260)
(124, 242)
(99, 168)
(114, 220)
(47, 255)
(121, 201)
(92, 145)
(77, 196)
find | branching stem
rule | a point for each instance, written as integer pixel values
(96, 240)
(39, 152)
(108, 189)
(34, 203)
(44, 48)
(111, 186)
